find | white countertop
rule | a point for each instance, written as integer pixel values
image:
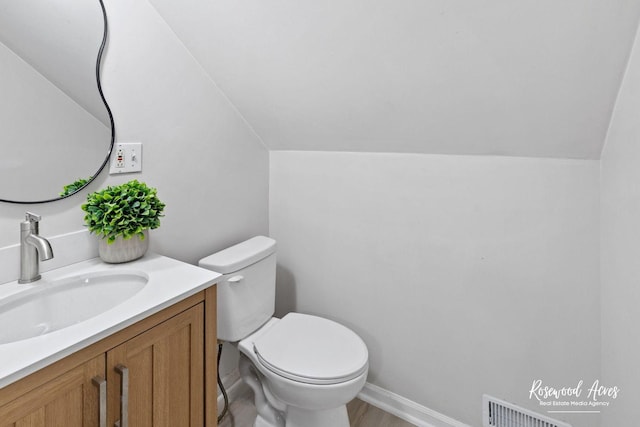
(170, 281)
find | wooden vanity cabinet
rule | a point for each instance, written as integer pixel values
(166, 363)
(67, 400)
(165, 367)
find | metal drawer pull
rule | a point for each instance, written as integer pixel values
(124, 397)
(102, 387)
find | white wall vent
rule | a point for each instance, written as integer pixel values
(498, 413)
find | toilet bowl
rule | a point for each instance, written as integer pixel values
(303, 369)
(309, 368)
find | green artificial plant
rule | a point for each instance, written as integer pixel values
(74, 186)
(124, 210)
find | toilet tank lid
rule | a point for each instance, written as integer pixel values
(239, 256)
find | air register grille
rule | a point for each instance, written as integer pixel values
(498, 413)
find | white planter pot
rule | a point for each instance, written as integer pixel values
(122, 250)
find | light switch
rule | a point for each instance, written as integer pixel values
(126, 158)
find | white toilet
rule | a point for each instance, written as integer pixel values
(302, 369)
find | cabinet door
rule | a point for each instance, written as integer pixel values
(69, 400)
(165, 370)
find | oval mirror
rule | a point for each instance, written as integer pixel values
(57, 128)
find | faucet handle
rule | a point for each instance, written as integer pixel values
(31, 217)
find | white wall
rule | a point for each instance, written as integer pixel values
(464, 275)
(620, 249)
(209, 167)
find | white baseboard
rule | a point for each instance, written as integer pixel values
(406, 409)
(387, 401)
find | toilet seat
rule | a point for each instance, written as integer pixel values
(312, 350)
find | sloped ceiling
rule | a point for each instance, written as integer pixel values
(523, 78)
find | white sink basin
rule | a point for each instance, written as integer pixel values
(55, 305)
(77, 305)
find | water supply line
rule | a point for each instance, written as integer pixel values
(224, 392)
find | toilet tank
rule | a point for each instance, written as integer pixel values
(247, 292)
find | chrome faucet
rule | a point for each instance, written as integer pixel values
(31, 246)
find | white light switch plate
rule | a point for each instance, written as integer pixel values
(126, 158)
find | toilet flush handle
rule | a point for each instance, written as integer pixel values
(235, 279)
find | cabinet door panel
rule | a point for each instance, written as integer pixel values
(70, 400)
(141, 393)
(166, 373)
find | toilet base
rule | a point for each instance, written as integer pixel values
(267, 416)
(261, 422)
(286, 415)
(335, 417)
